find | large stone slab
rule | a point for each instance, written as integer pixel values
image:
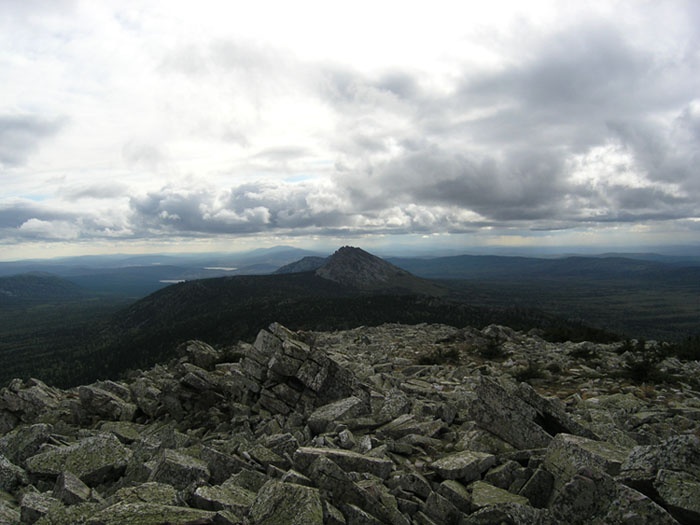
(178, 470)
(466, 465)
(679, 453)
(507, 416)
(94, 460)
(228, 496)
(11, 476)
(344, 492)
(324, 416)
(149, 514)
(486, 495)
(24, 442)
(679, 492)
(70, 489)
(591, 496)
(347, 460)
(280, 503)
(29, 399)
(567, 454)
(105, 404)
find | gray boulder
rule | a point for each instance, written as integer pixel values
(679, 492)
(24, 441)
(678, 453)
(35, 505)
(227, 496)
(9, 511)
(105, 404)
(507, 416)
(567, 454)
(336, 411)
(11, 476)
(94, 460)
(466, 465)
(70, 489)
(178, 470)
(348, 460)
(201, 354)
(591, 496)
(29, 399)
(142, 513)
(278, 503)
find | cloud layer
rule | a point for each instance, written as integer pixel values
(581, 121)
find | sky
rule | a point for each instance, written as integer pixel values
(161, 126)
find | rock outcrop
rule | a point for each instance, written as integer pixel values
(349, 428)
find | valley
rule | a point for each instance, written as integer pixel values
(77, 327)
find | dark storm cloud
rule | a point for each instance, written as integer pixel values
(501, 142)
(16, 212)
(21, 135)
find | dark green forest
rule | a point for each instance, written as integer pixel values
(74, 337)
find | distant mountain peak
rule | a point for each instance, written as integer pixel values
(355, 267)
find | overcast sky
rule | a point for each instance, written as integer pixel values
(199, 125)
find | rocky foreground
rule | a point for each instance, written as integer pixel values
(349, 428)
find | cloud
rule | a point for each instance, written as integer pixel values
(143, 154)
(103, 191)
(23, 220)
(49, 230)
(21, 135)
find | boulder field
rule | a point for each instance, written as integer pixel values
(424, 424)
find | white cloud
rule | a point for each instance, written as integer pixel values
(59, 230)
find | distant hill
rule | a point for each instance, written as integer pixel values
(36, 287)
(518, 268)
(306, 264)
(361, 270)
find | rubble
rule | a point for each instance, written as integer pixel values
(354, 429)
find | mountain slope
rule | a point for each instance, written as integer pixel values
(358, 269)
(352, 288)
(36, 287)
(306, 264)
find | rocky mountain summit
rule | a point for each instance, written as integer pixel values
(356, 268)
(424, 424)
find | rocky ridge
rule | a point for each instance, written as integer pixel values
(355, 268)
(424, 424)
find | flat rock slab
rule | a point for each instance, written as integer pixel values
(178, 470)
(680, 494)
(567, 454)
(228, 496)
(591, 496)
(150, 492)
(70, 489)
(345, 459)
(507, 416)
(11, 476)
(149, 514)
(94, 460)
(486, 495)
(280, 503)
(467, 465)
(322, 417)
(105, 404)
